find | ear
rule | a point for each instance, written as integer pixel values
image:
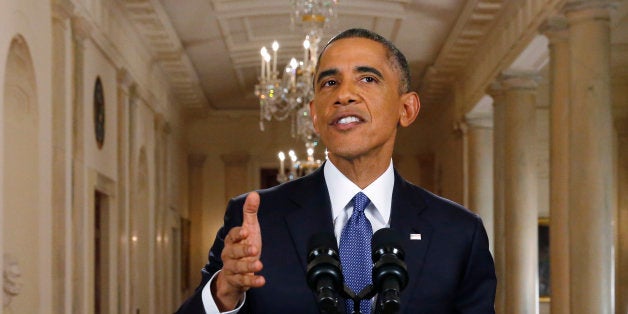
(409, 109)
(313, 115)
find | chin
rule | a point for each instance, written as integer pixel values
(347, 154)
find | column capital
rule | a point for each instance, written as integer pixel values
(580, 10)
(479, 121)
(196, 160)
(235, 158)
(495, 90)
(81, 29)
(62, 9)
(124, 78)
(512, 80)
(555, 28)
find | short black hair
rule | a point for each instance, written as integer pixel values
(395, 56)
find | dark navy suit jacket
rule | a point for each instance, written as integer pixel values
(450, 269)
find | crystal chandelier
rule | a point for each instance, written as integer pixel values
(298, 167)
(287, 94)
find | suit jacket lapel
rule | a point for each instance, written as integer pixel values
(313, 212)
(405, 217)
(313, 215)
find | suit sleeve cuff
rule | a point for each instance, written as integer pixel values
(208, 299)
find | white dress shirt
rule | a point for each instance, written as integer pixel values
(341, 192)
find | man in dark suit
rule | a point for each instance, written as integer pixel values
(361, 97)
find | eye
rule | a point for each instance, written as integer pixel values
(369, 79)
(329, 83)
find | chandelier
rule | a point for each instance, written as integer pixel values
(298, 167)
(287, 94)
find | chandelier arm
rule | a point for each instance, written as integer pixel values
(290, 94)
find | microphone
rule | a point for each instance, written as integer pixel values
(324, 274)
(390, 274)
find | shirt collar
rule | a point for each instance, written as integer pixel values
(341, 190)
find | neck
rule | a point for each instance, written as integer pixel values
(361, 171)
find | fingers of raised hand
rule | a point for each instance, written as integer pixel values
(244, 266)
(243, 282)
(237, 245)
(240, 274)
(249, 210)
(238, 256)
(236, 235)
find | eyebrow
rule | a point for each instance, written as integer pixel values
(324, 74)
(367, 69)
(359, 69)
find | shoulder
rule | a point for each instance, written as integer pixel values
(436, 208)
(448, 208)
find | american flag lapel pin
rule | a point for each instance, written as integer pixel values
(415, 236)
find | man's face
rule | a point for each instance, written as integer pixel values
(357, 105)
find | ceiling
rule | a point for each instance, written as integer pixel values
(210, 48)
(222, 38)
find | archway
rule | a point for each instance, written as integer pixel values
(21, 183)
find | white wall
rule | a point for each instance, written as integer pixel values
(25, 19)
(110, 47)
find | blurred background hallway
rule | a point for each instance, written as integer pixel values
(126, 126)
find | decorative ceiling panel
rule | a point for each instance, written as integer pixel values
(210, 48)
(222, 38)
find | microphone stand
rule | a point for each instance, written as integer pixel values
(366, 294)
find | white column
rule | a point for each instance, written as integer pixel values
(480, 170)
(62, 157)
(499, 211)
(592, 175)
(80, 287)
(163, 272)
(198, 253)
(557, 33)
(125, 100)
(520, 194)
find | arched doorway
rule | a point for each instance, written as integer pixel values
(21, 183)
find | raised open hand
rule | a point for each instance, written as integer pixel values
(241, 258)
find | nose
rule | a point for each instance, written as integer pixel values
(345, 94)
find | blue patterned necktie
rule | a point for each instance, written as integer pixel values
(355, 251)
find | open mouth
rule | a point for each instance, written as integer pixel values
(346, 120)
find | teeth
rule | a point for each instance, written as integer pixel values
(349, 119)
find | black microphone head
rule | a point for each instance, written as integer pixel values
(322, 243)
(386, 240)
(390, 274)
(324, 272)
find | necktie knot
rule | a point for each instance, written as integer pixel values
(360, 201)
